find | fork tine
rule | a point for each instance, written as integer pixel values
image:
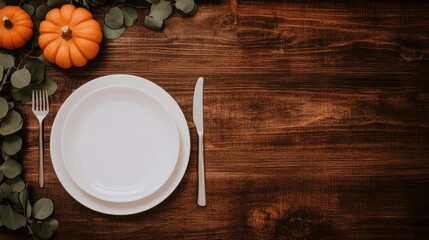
(43, 101)
(39, 104)
(37, 100)
(47, 100)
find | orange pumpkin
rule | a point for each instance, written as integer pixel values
(70, 36)
(16, 27)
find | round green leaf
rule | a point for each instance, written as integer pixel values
(14, 198)
(24, 94)
(42, 230)
(21, 78)
(1, 176)
(37, 71)
(4, 107)
(5, 191)
(114, 18)
(153, 23)
(161, 10)
(41, 11)
(10, 218)
(11, 105)
(29, 9)
(130, 15)
(12, 144)
(188, 7)
(17, 184)
(7, 60)
(52, 222)
(43, 208)
(31, 2)
(112, 33)
(24, 199)
(11, 123)
(11, 168)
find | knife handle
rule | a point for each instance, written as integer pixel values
(201, 175)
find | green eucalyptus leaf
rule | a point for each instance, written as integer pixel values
(36, 33)
(153, 23)
(10, 218)
(152, 1)
(21, 78)
(31, 2)
(11, 168)
(4, 107)
(97, 3)
(25, 94)
(11, 123)
(161, 10)
(43, 208)
(12, 144)
(1, 73)
(42, 230)
(28, 210)
(4, 156)
(42, 58)
(112, 33)
(11, 105)
(6, 75)
(41, 11)
(114, 18)
(7, 60)
(5, 191)
(37, 71)
(52, 222)
(57, 3)
(188, 7)
(85, 3)
(1, 175)
(130, 15)
(14, 198)
(24, 198)
(29, 9)
(17, 184)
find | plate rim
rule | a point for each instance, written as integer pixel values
(114, 208)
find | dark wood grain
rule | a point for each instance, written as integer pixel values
(316, 120)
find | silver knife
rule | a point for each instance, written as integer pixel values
(198, 121)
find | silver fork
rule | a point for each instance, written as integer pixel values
(40, 107)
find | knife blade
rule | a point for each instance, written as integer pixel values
(198, 121)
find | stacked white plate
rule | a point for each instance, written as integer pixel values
(120, 144)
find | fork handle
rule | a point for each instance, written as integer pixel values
(41, 182)
(201, 175)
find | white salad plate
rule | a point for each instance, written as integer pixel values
(120, 144)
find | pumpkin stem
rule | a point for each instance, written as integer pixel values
(67, 33)
(7, 23)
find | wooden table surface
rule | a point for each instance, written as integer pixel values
(316, 122)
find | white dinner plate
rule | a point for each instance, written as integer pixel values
(100, 88)
(119, 144)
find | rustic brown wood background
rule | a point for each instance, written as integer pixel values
(316, 120)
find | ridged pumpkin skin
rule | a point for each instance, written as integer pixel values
(70, 36)
(16, 27)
